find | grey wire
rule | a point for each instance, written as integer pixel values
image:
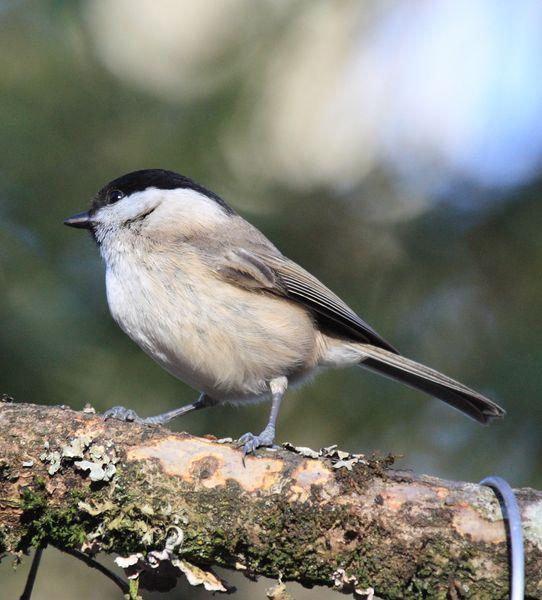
(94, 564)
(511, 512)
(88, 560)
(31, 579)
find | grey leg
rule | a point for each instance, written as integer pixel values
(249, 441)
(127, 414)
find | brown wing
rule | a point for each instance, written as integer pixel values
(266, 271)
(277, 274)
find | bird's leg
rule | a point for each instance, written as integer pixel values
(127, 414)
(249, 441)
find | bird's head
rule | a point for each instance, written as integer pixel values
(150, 202)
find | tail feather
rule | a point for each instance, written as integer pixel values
(431, 382)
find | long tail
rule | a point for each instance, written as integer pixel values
(431, 382)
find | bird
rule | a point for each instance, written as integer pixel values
(208, 297)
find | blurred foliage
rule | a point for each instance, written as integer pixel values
(449, 273)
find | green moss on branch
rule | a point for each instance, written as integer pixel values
(339, 520)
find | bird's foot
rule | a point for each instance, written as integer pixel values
(250, 442)
(127, 414)
(122, 414)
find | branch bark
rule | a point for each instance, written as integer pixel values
(160, 498)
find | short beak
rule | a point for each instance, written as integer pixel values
(81, 221)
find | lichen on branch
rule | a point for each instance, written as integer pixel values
(172, 504)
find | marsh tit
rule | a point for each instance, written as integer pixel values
(209, 298)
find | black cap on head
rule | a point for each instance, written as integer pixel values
(138, 181)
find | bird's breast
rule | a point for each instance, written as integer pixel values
(220, 339)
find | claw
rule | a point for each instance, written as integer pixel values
(245, 438)
(121, 414)
(251, 442)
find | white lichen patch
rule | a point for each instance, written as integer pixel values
(349, 584)
(366, 594)
(76, 447)
(52, 457)
(97, 471)
(97, 509)
(345, 464)
(339, 458)
(98, 460)
(302, 450)
(174, 539)
(126, 562)
(278, 592)
(152, 525)
(342, 580)
(197, 576)
(97, 452)
(138, 563)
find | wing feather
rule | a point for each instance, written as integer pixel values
(274, 273)
(307, 289)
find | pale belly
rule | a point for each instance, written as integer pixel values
(220, 339)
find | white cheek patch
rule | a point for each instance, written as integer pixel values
(129, 208)
(187, 206)
(165, 206)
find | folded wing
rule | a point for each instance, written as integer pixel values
(277, 274)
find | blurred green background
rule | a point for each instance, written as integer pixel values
(393, 149)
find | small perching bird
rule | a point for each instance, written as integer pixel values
(214, 302)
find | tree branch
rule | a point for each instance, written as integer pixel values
(167, 499)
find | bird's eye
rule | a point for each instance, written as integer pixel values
(115, 196)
